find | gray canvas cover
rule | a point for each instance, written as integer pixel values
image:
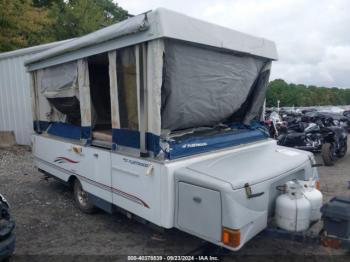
(256, 100)
(158, 24)
(60, 80)
(204, 87)
(123, 28)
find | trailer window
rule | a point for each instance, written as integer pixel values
(100, 97)
(58, 84)
(127, 88)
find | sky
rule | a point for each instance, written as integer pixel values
(312, 36)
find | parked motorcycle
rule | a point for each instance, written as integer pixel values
(275, 125)
(323, 136)
(304, 136)
(335, 144)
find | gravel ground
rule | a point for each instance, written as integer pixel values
(51, 228)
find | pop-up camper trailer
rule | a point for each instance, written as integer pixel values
(159, 115)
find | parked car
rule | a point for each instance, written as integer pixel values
(7, 230)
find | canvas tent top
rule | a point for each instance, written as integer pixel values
(31, 50)
(160, 23)
(160, 82)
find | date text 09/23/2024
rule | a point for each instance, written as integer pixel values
(173, 258)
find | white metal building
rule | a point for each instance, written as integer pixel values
(15, 105)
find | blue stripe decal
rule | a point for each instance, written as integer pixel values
(65, 130)
(126, 137)
(196, 145)
(239, 134)
(40, 126)
(131, 138)
(86, 133)
(153, 143)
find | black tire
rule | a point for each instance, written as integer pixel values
(7, 247)
(328, 154)
(81, 199)
(343, 150)
(7, 232)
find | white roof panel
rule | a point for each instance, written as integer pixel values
(183, 27)
(160, 23)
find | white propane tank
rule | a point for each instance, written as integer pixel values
(293, 210)
(314, 196)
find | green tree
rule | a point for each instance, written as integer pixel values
(46, 3)
(302, 95)
(22, 24)
(275, 92)
(25, 23)
(78, 17)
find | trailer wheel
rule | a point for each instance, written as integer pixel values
(81, 199)
(328, 154)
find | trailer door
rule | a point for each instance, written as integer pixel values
(136, 186)
(95, 172)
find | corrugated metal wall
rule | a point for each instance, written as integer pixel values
(15, 103)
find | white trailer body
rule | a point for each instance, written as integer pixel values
(158, 115)
(164, 193)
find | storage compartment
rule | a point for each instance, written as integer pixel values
(199, 211)
(336, 217)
